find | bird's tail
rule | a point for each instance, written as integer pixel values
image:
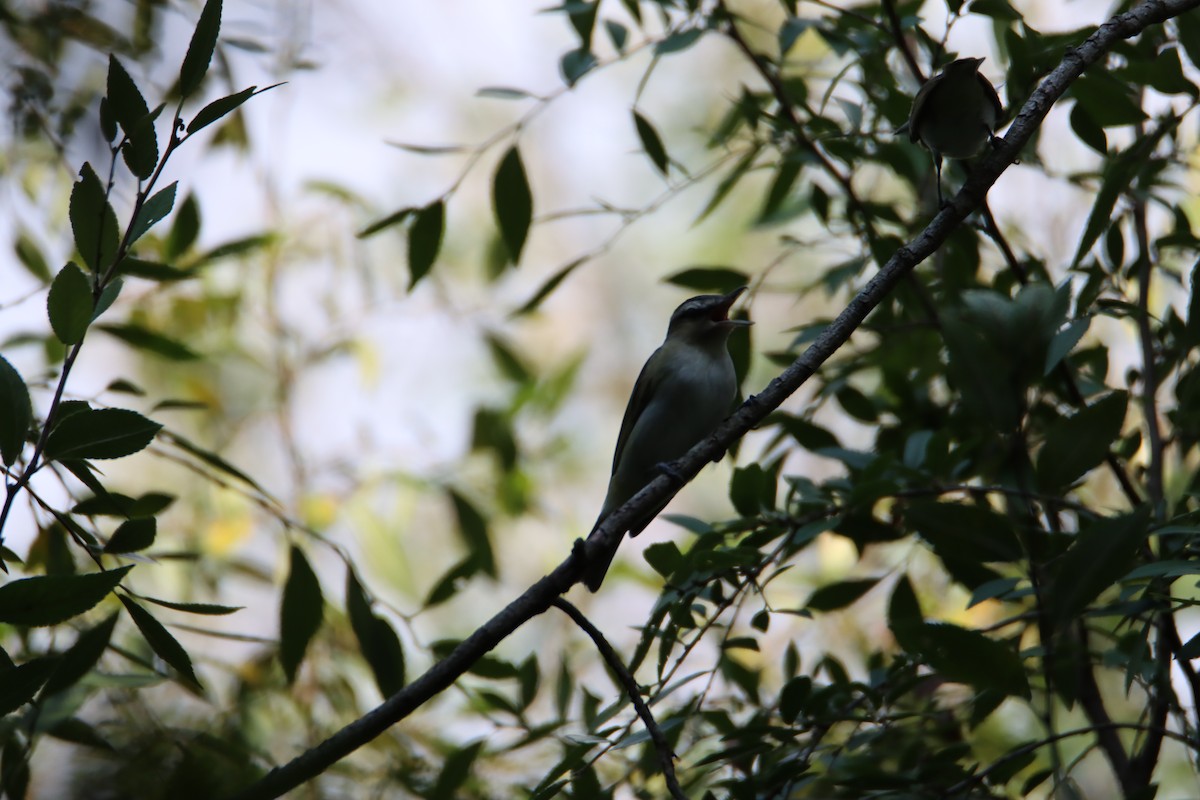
(597, 567)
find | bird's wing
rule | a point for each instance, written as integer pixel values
(643, 390)
(918, 106)
(989, 92)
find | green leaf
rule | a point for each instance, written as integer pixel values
(425, 240)
(81, 657)
(150, 341)
(100, 433)
(164, 645)
(663, 557)
(547, 288)
(132, 535)
(1064, 342)
(219, 108)
(512, 202)
(300, 613)
(1080, 442)
(721, 280)
(206, 609)
(1087, 130)
(200, 48)
(185, 230)
(30, 256)
(379, 643)
(455, 771)
(69, 304)
(51, 599)
(93, 221)
(154, 209)
(215, 461)
(904, 615)
(967, 656)
(125, 102)
(19, 684)
(791, 700)
(678, 41)
(966, 532)
(473, 530)
(395, 218)
(652, 143)
(840, 594)
(16, 412)
(1098, 557)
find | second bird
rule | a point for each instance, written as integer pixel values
(684, 391)
(954, 113)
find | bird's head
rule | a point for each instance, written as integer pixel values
(963, 66)
(706, 316)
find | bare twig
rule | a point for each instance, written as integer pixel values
(666, 756)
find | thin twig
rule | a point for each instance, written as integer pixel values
(666, 756)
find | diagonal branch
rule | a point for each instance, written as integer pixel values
(541, 595)
(666, 756)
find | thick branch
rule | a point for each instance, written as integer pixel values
(539, 597)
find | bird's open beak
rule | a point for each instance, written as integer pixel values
(722, 313)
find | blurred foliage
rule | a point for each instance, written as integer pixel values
(1044, 502)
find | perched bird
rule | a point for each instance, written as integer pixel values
(685, 389)
(954, 113)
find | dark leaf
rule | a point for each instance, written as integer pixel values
(904, 615)
(16, 412)
(206, 609)
(395, 218)
(69, 304)
(1064, 342)
(709, 279)
(967, 656)
(185, 230)
(132, 535)
(651, 142)
(424, 240)
(576, 63)
(455, 771)
(219, 108)
(93, 221)
(678, 40)
(473, 529)
(82, 656)
(1081, 441)
(200, 48)
(1087, 130)
(1101, 553)
(51, 599)
(30, 256)
(215, 461)
(840, 594)
(547, 288)
(150, 341)
(19, 684)
(76, 731)
(125, 102)
(448, 585)
(100, 433)
(379, 643)
(165, 646)
(300, 613)
(154, 209)
(965, 532)
(512, 202)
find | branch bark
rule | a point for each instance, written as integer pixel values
(541, 594)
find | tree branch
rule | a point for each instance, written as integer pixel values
(666, 756)
(541, 595)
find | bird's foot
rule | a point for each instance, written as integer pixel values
(666, 468)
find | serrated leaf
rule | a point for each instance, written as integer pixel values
(651, 143)
(1099, 556)
(300, 613)
(16, 412)
(512, 202)
(379, 643)
(151, 341)
(81, 657)
(125, 101)
(19, 684)
(473, 530)
(132, 535)
(153, 210)
(425, 240)
(164, 645)
(206, 609)
(51, 599)
(100, 433)
(93, 222)
(69, 304)
(840, 594)
(1081, 441)
(200, 48)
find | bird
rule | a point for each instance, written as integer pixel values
(685, 389)
(954, 113)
